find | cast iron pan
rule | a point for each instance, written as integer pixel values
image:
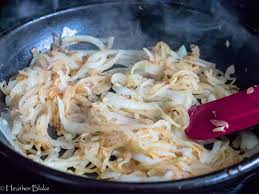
(135, 25)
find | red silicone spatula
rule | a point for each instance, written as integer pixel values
(236, 112)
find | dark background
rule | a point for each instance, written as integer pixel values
(14, 13)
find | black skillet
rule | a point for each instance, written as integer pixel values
(135, 25)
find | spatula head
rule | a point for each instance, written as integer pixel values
(226, 115)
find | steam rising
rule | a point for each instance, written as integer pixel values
(208, 24)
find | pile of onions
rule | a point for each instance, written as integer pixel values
(122, 122)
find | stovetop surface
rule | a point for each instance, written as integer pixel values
(16, 12)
